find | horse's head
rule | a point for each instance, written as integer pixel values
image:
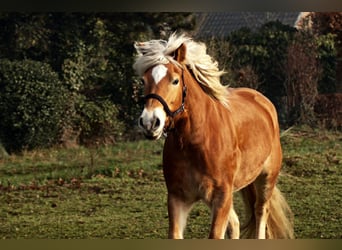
(164, 91)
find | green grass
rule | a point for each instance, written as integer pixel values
(312, 182)
(119, 192)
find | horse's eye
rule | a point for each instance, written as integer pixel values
(142, 81)
(175, 82)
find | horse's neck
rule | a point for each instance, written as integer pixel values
(196, 112)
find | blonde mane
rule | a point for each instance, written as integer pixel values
(204, 68)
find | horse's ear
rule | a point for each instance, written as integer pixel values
(179, 54)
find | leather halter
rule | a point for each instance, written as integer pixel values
(167, 110)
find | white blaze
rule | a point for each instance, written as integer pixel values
(158, 73)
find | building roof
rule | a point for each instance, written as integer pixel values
(220, 24)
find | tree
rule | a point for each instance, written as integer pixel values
(284, 64)
(302, 72)
(262, 54)
(92, 55)
(329, 24)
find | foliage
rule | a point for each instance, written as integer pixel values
(328, 109)
(255, 58)
(265, 51)
(282, 63)
(302, 75)
(324, 23)
(32, 104)
(326, 27)
(92, 53)
(97, 122)
(220, 50)
(328, 60)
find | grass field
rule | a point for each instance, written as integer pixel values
(119, 192)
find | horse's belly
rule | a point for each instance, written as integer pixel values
(250, 167)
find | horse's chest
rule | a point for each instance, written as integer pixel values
(187, 181)
(191, 172)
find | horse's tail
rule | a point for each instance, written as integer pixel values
(280, 219)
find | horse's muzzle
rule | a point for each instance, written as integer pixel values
(152, 123)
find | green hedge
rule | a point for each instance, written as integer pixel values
(259, 59)
(32, 104)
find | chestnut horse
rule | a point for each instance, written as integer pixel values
(219, 140)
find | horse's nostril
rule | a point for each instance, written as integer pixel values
(157, 123)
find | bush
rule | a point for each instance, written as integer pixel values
(97, 121)
(289, 66)
(32, 104)
(327, 56)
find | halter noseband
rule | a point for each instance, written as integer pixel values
(170, 113)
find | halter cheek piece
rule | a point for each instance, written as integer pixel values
(170, 113)
(167, 110)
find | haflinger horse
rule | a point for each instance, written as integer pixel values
(219, 140)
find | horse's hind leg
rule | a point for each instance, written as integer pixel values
(264, 185)
(261, 209)
(178, 213)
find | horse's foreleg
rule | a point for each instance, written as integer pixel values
(233, 225)
(221, 207)
(178, 213)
